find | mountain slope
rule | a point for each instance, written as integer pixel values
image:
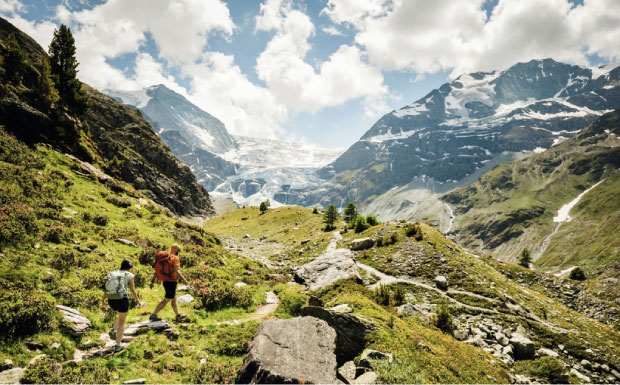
(458, 129)
(113, 136)
(518, 205)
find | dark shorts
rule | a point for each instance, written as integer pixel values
(171, 289)
(120, 305)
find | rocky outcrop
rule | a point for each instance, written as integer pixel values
(524, 348)
(12, 376)
(350, 330)
(297, 350)
(362, 244)
(327, 269)
(74, 321)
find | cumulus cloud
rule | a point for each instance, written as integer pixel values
(426, 37)
(295, 83)
(10, 6)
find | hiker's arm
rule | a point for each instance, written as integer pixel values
(178, 273)
(132, 288)
(153, 280)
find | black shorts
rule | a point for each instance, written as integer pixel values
(171, 289)
(120, 305)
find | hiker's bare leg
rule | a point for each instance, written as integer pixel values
(115, 323)
(174, 305)
(161, 305)
(121, 327)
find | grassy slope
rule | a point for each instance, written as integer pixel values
(512, 207)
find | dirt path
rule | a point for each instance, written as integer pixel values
(270, 306)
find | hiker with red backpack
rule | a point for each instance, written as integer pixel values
(167, 271)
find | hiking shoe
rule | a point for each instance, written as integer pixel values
(112, 334)
(181, 317)
(118, 348)
(154, 317)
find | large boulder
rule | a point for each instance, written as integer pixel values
(12, 376)
(524, 348)
(350, 331)
(441, 282)
(327, 269)
(75, 322)
(362, 244)
(297, 350)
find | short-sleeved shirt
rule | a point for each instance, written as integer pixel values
(174, 261)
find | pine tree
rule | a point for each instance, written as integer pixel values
(14, 61)
(264, 206)
(350, 213)
(45, 93)
(330, 216)
(64, 70)
(525, 259)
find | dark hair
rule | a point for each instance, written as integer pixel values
(126, 264)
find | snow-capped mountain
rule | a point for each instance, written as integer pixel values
(249, 170)
(466, 126)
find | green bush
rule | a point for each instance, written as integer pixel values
(72, 293)
(546, 368)
(399, 295)
(56, 234)
(214, 372)
(291, 300)
(25, 312)
(414, 230)
(371, 220)
(64, 259)
(220, 293)
(87, 217)
(119, 201)
(359, 224)
(44, 371)
(443, 319)
(17, 224)
(577, 274)
(100, 219)
(315, 210)
(382, 295)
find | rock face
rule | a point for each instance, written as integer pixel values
(524, 348)
(327, 269)
(74, 321)
(350, 331)
(297, 350)
(362, 244)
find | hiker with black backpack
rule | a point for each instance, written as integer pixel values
(167, 271)
(115, 288)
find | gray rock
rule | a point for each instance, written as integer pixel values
(55, 345)
(36, 358)
(240, 284)
(303, 242)
(362, 244)
(31, 345)
(605, 368)
(327, 269)
(524, 348)
(508, 351)
(6, 365)
(185, 299)
(580, 376)
(342, 308)
(12, 376)
(350, 331)
(424, 310)
(125, 242)
(586, 364)
(441, 282)
(74, 321)
(502, 339)
(615, 373)
(547, 352)
(366, 378)
(143, 327)
(247, 236)
(69, 211)
(476, 340)
(136, 381)
(182, 288)
(346, 373)
(297, 350)
(370, 355)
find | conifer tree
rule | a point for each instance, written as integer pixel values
(14, 61)
(45, 94)
(330, 216)
(264, 206)
(525, 259)
(350, 212)
(64, 70)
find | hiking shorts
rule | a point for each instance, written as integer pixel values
(171, 289)
(120, 305)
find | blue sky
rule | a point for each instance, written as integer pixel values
(321, 71)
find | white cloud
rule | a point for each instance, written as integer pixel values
(426, 37)
(294, 82)
(41, 32)
(10, 6)
(331, 30)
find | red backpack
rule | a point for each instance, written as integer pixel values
(163, 266)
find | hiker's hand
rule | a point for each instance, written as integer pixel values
(152, 284)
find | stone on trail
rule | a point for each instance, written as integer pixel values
(126, 242)
(346, 373)
(327, 269)
(74, 321)
(185, 299)
(441, 282)
(136, 381)
(143, 327)
(366, 378)
(362, 244)
(297, 350)
(12, 376)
